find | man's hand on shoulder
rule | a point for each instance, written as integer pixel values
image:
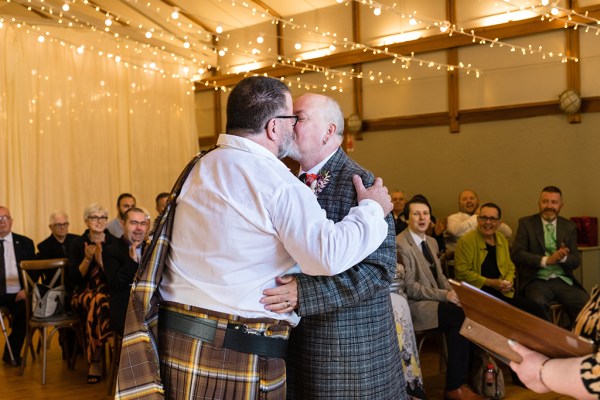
(377, 192)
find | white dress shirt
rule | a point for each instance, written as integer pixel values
(242, 218)
(10, 265)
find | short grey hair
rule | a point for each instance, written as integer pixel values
(55, 214)
(94, 208)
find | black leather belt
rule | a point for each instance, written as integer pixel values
(238, 337)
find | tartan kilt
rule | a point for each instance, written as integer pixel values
(194, 369)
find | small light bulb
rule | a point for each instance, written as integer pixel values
(260, 40)
(332, 47)
(377, 11)
(65, 7)
(221, 53)
(108, 21)
(545, 2)
(41, 39)
(80, 50)
(186, 45)
(148, 35)
(412, 21)
(298, 46)
(175, 13)
(219, 29)
(554, 11)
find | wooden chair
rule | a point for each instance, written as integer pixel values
(556, 311)
(4, 311)
(30, 270)
(423, 335)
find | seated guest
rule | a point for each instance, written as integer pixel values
(57, 244)
(433, 304)
(124, 203)
(399, 201)
(13, 249)
(161, 201)
(436, 226)
(121, 261)
(87, 280)
(482, 258)
(545, 252)
(465, 220)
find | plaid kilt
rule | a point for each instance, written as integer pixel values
(194, 369)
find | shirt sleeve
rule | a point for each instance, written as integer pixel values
(318, 245)
(458, 225)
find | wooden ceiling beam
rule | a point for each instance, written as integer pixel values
(424, 45)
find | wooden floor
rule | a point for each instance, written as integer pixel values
(63, 384)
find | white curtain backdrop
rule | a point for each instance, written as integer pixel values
(82, 128)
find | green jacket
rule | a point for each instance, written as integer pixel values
(470, 253)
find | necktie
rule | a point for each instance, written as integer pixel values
(550, 238)
(428, 257)
(2, 270)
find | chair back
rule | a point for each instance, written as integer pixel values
(31, 271)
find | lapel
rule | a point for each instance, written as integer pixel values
(422, 262)
(538, 228)
(333, 166)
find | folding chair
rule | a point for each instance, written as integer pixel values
(30, 270)
(4, 310)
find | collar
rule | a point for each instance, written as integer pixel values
(418, 239)
(241, 143)
(317, 168)
(8, 239)
(544, 222)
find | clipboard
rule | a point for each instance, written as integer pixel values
(490, 322)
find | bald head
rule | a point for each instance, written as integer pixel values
(320, 128)
(468, 201)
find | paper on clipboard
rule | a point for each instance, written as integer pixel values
(490, 322)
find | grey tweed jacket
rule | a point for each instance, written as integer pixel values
(346, 346)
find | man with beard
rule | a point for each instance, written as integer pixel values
(121, 261)
(545, 253)
(346, 344)
(240, 220)
(124, 203)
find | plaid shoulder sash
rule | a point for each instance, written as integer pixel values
(139, 369)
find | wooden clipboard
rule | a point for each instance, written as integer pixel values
(490, 322)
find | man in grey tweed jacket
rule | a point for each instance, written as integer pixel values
(345, 346)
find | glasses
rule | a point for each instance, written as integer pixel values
(95, 218)
(294, 117)
(4, 218)
(63, 225)
(138, 223)
(484, 218)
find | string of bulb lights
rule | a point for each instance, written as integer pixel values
(200, 65)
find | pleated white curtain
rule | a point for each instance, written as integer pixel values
(81, 128)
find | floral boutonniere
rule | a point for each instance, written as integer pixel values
(317, 182)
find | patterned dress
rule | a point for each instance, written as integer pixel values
(90, 294)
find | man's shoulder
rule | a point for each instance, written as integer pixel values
(21, 239)
(46, 242)
(529, 220)
(345, 167)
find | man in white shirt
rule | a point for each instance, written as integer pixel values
(465, 220)
(241, 220)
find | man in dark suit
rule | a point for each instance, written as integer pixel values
(57, 244)
(545, 253)
(13, 249)
(121, 261)
(345, 345)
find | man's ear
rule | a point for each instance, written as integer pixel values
(271, 134)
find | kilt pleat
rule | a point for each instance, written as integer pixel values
(195, 369)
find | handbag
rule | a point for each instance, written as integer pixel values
(48, 300)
